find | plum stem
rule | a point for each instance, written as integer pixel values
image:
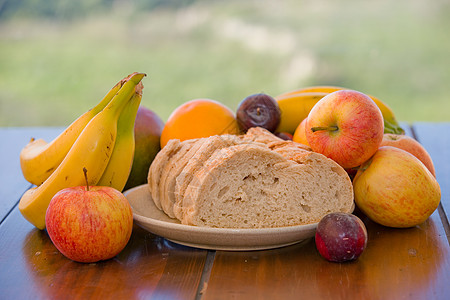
(86, 178)
(322, 128)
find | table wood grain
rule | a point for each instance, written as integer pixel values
(409, 263)
(435, 137)
(12, 183)
(397, 264)
(32, 268)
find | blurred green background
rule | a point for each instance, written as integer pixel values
(59, 57)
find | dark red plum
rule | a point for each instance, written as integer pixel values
(284, 135)
(341, 237)
(258, 110)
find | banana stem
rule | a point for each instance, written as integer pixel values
(392, 128)
(125, 93)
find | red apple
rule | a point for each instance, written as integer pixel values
(346, 126)
(89, 224)
(412, 146)
(395, 189)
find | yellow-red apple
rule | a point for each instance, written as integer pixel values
(409, 144)
(300, 133)
(395, 189)
(89, 224)
(346, 126)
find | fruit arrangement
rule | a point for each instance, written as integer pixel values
(395, 182)
(111, 147)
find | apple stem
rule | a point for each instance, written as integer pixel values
(328, 128)
(86, 178)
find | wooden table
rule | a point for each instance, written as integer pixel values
(397, 263)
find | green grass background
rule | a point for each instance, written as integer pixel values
(53, 70)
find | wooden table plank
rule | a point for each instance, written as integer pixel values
(435, 137)
(397, 264)
(12, 183)
(32, 268)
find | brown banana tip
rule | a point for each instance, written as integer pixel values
(139, 88)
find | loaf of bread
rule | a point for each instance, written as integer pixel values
(256, 180)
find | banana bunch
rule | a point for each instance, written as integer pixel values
(296, 105)
(101, 140)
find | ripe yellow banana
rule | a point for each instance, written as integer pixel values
(391, 124)
(119, 165)
(92, 150)
(294, 108)
(314, 89)
(38, 159)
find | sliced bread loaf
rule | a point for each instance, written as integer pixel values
(251, 186)
(251, 181)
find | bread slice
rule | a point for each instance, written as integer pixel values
(251, 186)
(184, 148)
(158, 164)
(203, 153)
(174, 168)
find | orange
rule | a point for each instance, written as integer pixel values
(300, 134)
(199, 118)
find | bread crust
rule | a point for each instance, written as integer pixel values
(164, 189)
(158, 164)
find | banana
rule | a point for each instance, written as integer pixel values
(314, 89)
(391, 124)
(92, 150)
(119, 165)
(294, 108)
(38, 159)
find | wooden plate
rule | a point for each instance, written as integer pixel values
(149, 217)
